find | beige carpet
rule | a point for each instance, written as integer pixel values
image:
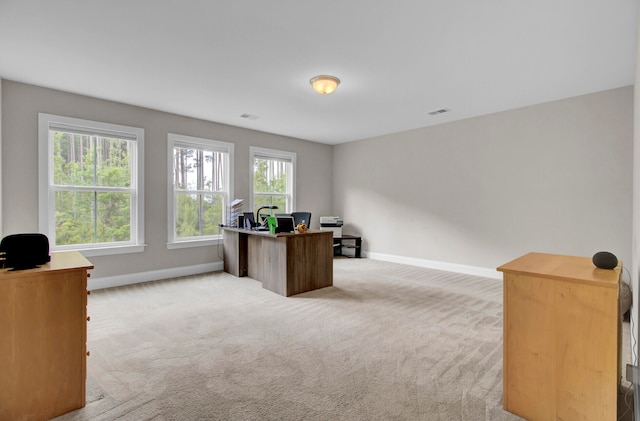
(387, 342)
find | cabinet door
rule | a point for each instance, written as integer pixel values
(587, 351)
(560, 349)
(529, 382)
(42, 344)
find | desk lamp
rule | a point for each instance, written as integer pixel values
(258, 220)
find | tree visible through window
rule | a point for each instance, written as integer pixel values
(92, 185)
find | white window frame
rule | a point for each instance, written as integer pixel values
(46, 190)
(198, 143)
(258, 152)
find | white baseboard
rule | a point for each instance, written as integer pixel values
(432, 264)
(154, 275)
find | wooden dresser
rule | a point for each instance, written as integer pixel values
(43, 336)
(561, 338)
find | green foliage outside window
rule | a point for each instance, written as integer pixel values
(82, 165)
(270, 184)
(200, 189)
(190, 208)
(279, 201)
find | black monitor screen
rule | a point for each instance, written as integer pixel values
(249, 221)
(285, 224)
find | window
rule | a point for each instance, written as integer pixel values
(199, 189)
(91, 185)
(273, 179)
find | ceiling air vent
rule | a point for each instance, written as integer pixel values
(440, 111)
(250, 116)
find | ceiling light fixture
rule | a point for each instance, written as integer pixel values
(324, 84)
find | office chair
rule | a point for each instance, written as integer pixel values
(301, 216)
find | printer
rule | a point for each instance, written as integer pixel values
(332, 223)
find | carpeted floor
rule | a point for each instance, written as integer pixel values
(386, 342)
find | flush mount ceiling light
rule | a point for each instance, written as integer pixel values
(324, 84)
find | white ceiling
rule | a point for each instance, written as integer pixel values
(219, 59)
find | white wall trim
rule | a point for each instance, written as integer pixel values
(154, 275)
(433, 264)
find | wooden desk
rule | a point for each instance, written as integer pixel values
(561, 338)
(43, 338)
(286, 263)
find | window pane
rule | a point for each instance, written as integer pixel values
(113, 218)
(74, 217)
(83, 160)
(270, 176)
(189, 174)
(213, 173)
(187, 215)
(73, 159)
(113, 162)
(212, 214)
(198, 214)
(185, 168)
(76, 222)
(279, 201)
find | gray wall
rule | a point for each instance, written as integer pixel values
(21, 105)
(554, 177)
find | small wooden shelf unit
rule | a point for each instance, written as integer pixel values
(561, 338)
(43, 338)
(352, 242)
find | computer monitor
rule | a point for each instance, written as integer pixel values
(285, 224)
(249, 221)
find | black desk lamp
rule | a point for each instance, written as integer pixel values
(258, 220)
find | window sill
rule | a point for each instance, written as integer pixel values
(193, 243)
(106, 251)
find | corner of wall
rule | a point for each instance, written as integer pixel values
(635, 250)
(635, 258)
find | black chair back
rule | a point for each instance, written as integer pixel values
(300, 217)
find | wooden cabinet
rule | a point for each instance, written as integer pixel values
(235, 254)
(561, 338)
(43, 336)
(348, 241)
